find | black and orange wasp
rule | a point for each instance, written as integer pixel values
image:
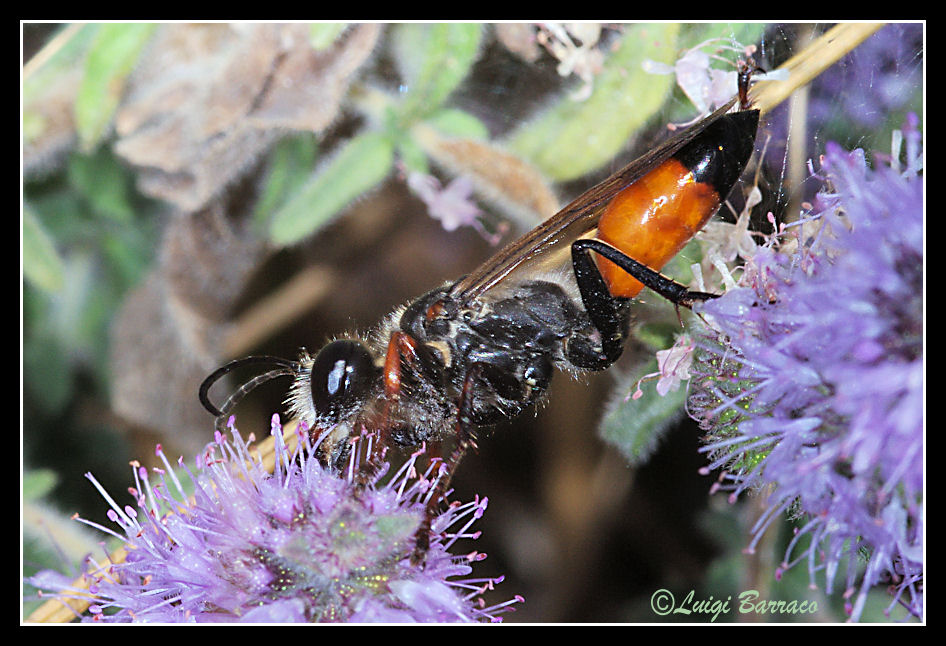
(482, 349)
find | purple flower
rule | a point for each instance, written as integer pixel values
(453, 205)
(673, 368)
(857, 97)
(302, 544)
(889, 63)
(705, 86)
(811, 381)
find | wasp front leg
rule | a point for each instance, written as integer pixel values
(609, 314)
(465, 440)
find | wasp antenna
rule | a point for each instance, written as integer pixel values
(287, 367)
(247, 387)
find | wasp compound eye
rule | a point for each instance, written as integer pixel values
(341, 377)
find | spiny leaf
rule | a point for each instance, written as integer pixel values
(290, 164)
(434, 60)
(453, 122)
(635, 426)
(358, 167)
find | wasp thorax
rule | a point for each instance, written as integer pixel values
(341, 377)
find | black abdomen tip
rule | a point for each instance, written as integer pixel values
(718, 155)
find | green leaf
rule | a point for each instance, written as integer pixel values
(67, 55)
(457, 123)
(724, 33)
(434, 60)
(412, 155)
(323, 34)
(111, 59)
(290, 165)
(572, 137)
(45, 375)
(129, 253)
(358, 167)
(104, 183)
(34, 125)
(38, 482)
(635, 427)
(56, 72)
(42, 265)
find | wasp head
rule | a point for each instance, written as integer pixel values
(332, 389)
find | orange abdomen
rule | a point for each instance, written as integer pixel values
(652, 219)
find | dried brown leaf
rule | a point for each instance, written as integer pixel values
(309, 86)
(160, 352)
(206, 261)
(499, 177)
(168, 333)
(209, 99)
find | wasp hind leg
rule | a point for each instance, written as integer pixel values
(608, 313)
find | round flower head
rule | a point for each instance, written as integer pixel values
(301, 544)
(811, 381)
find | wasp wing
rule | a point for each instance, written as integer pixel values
(575, 220)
